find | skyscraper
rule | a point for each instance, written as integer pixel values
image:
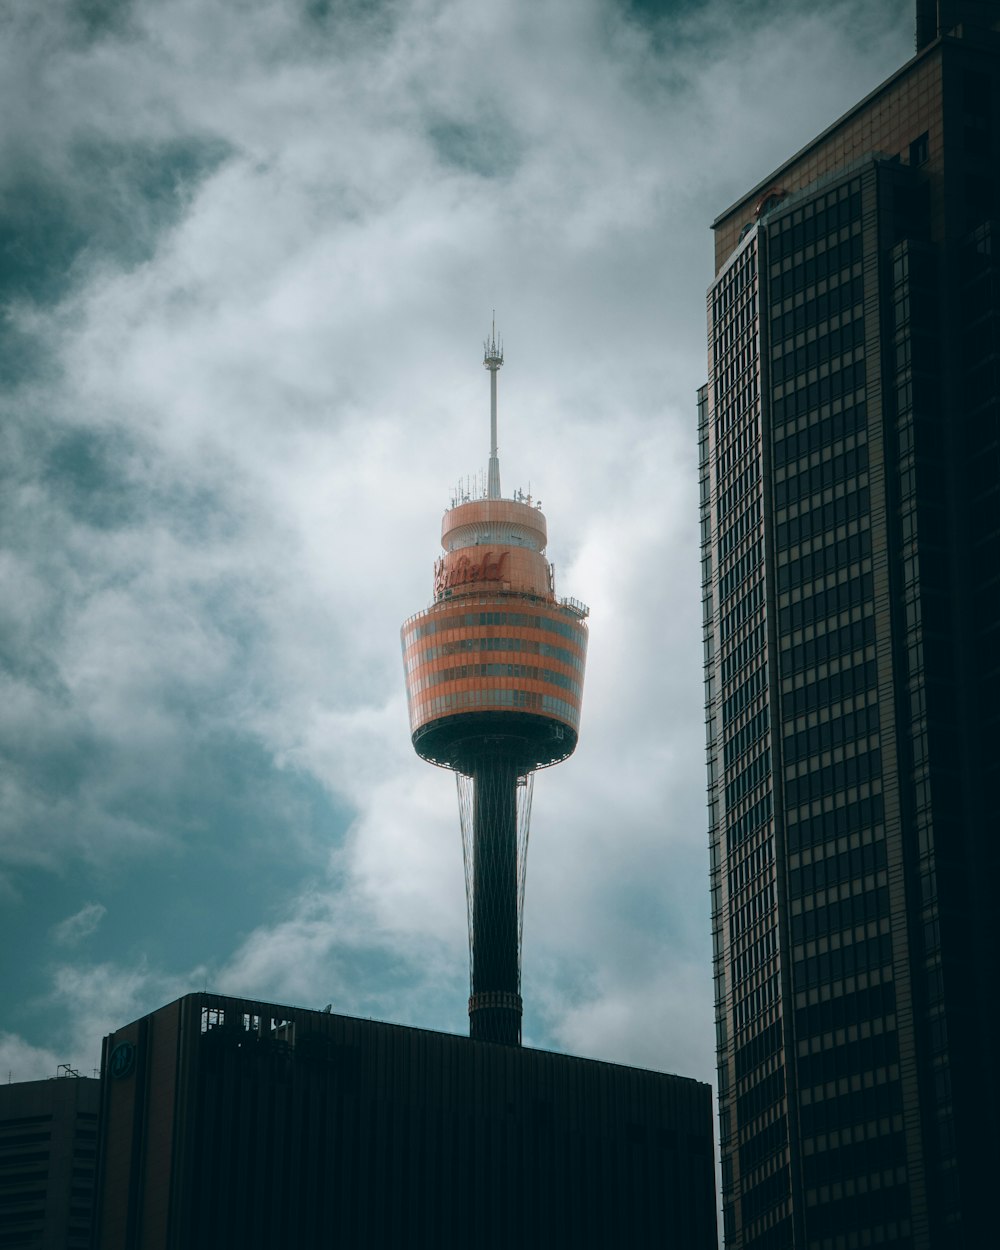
(849, 441)
(494, 682)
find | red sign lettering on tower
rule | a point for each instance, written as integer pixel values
(465, 570)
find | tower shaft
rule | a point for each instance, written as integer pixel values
(495, 1003)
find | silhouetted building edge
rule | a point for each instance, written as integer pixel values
(849, 438)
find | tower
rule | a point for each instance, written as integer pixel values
(850, 487)
(494, 683)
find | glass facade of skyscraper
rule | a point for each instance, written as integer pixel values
(850, 479)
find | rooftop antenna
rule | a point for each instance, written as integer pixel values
(492, 360)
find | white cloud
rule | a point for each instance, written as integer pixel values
(21, 1061)
(95, 999)
(74, 929)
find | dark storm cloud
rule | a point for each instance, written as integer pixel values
(107, 201)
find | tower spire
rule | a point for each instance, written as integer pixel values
(492, 360)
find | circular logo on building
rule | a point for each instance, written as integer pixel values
(122, 1060)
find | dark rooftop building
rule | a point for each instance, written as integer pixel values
(48, 1144)
(850, 486)
(233, 1123)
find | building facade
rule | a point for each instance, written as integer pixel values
(48, 1149)
(230, 1123)
(849, 441)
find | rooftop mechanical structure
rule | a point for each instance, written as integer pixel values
(494, 683)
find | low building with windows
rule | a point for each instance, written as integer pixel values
(48, 1145)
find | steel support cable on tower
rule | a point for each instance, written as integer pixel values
(525, 791)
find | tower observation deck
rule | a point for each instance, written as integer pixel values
(494, 684)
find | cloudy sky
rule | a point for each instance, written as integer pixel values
(248, 255)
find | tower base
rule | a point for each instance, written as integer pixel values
(495, 1016)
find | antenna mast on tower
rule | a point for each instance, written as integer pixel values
(492, 360)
